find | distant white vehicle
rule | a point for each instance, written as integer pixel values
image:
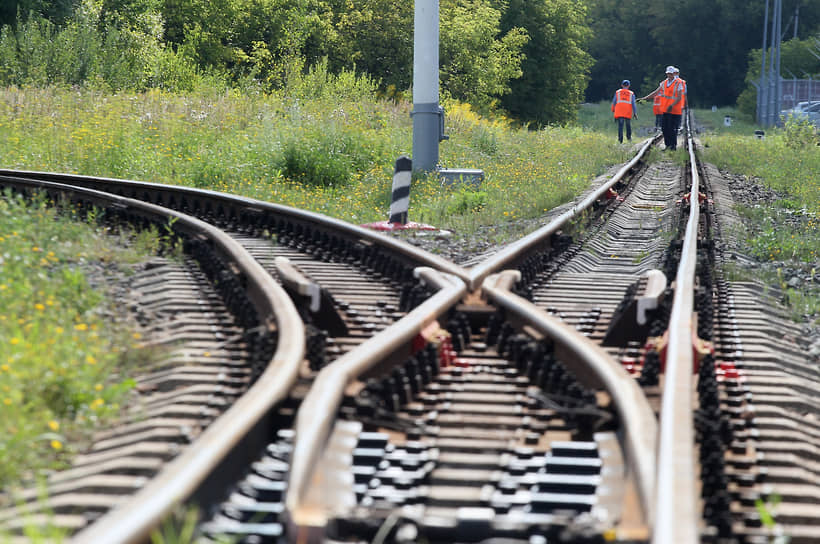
(804, 110)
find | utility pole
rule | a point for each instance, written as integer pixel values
(763, 89)
(427, 115)
(778, 92)
(770, 86)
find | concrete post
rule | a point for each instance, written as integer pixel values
(426, 113)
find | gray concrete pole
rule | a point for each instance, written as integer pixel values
(770, 108)
(763, 91)
(778, 93)
(426, 114)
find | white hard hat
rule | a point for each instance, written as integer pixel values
(670, 69)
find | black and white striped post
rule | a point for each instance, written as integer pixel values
(400, 201)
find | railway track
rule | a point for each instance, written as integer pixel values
(571, 387)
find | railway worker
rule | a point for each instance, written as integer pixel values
(671, 92)
(656, 109)
(623, 107)
(685, 96)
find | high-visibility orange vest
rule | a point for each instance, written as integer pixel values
(670, 91)
(623, 103)
(656, 104)
(683, 100)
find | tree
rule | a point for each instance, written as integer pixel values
(623, 48)
(376, 37)
(57, 11)
(477, 60)
(556, 65)
(708, 39)
(479, 63)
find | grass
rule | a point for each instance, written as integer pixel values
(326, 154)
(61, 368)
(786, 233)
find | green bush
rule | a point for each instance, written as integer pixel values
(799, 133)
(326, 156)
(466, 200)
(90, 51)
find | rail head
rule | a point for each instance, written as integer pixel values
(640, 424)
(317, 413)
(676, 495)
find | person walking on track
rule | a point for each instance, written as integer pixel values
(671, 91)
(623, 107)
(656, 109)
(684, 102)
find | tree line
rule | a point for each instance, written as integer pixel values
(533, 60)
(716, 44)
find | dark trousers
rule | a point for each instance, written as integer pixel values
(658, 118)
(621, 122)
(669, 127)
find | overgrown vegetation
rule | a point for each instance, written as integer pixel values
(527, 58)
(327, 145)
(62, 363)
(786, 233)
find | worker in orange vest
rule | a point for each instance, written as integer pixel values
(623, 107)
(671, 91)
(685, 96)
(656, 109)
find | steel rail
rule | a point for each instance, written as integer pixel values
(317, 413)
(589, 360)
(676, 496)
(133, 521)
(535, 239)
(247, 206)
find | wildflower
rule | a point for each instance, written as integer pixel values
(80, 327)
(54, 425)
(14, 341)
(90, 360)
(39, 307)
(57, 445)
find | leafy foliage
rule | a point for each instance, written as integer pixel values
(494, 54)
(800, 134)
(555, 66)
(708, 39)
(476, 67)
(93, 47)
(59, 342)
